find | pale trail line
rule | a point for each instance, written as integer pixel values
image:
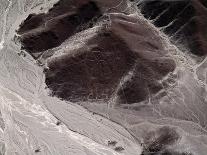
(4, 25)
(196, 76)
(39, 112)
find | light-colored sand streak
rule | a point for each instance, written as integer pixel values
(41, 124)
(4, 25)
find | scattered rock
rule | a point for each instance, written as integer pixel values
(119, 148)
(112, 143)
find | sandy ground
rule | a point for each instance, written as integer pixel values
(28, 122)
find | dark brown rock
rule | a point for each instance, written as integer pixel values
(45, 31)
(91, 75)
(184, 21)
(96, 71)
(157, 141)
